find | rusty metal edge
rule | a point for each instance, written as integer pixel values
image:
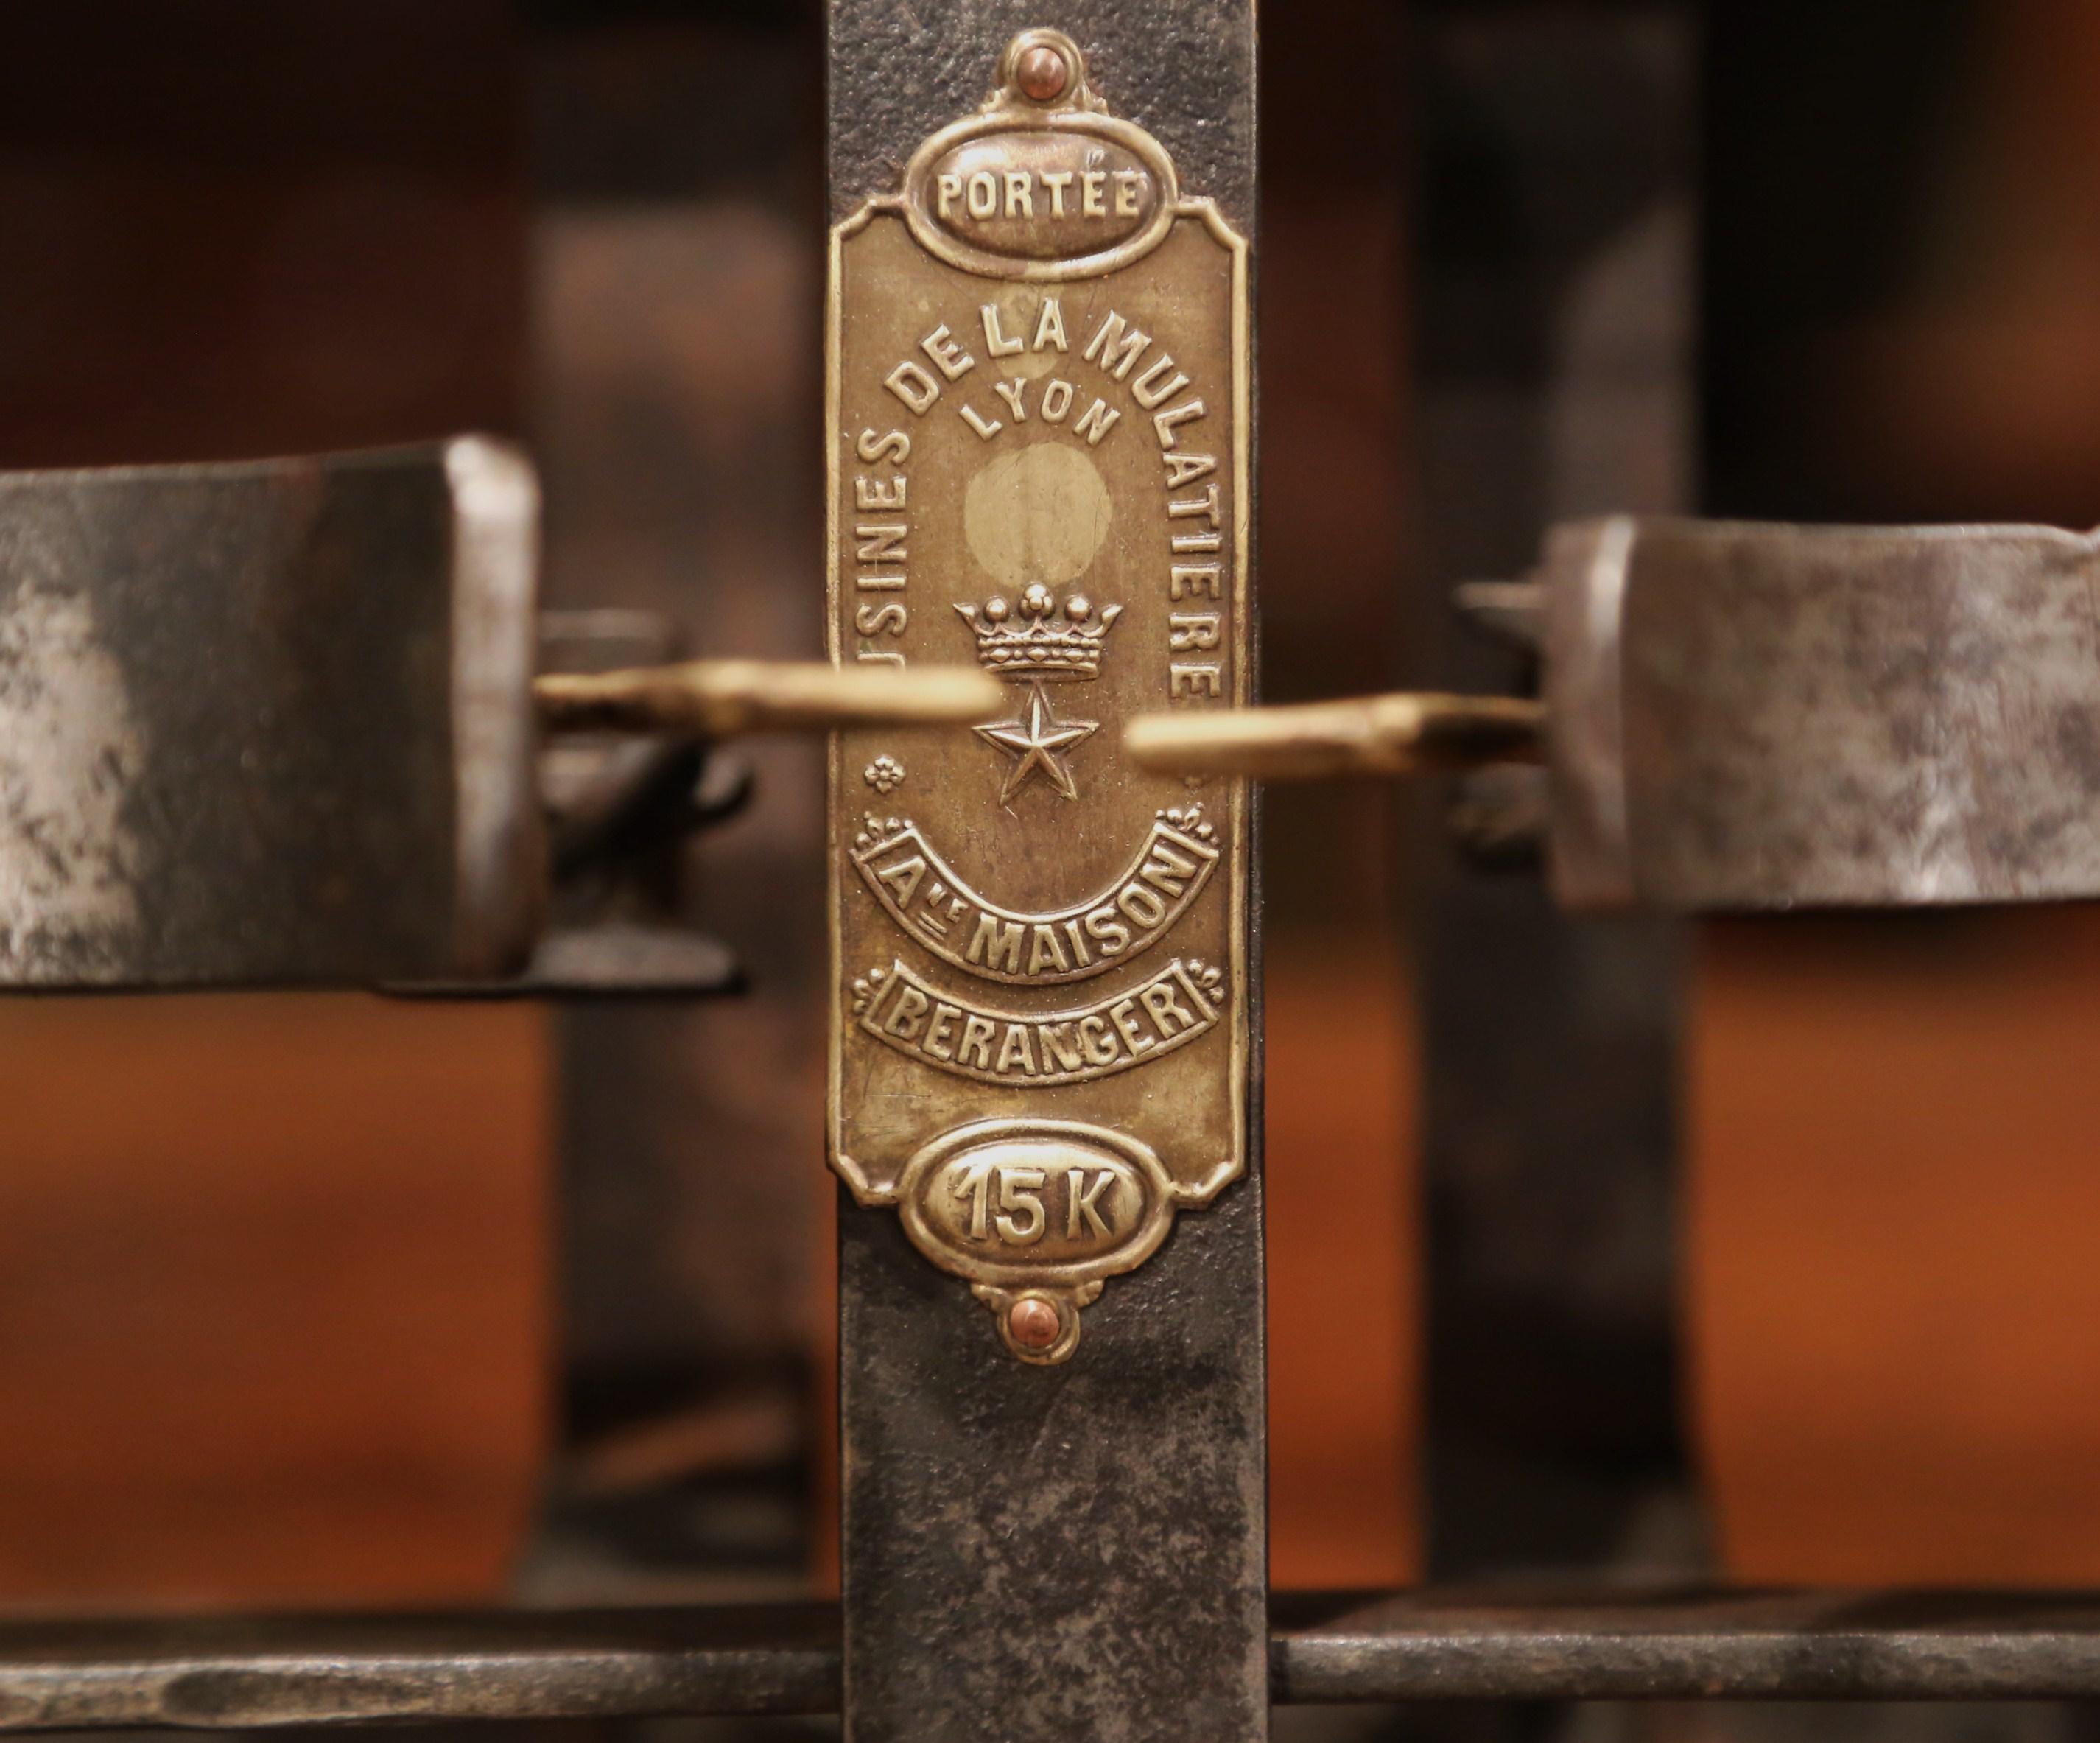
(500, 847)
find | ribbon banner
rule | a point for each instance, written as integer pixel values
(924, 895)
(1179, 1005)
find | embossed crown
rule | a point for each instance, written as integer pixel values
(1040, 636)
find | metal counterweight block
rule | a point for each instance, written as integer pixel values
(276, 723)
(268, 722)
(1739, 716)
(1771, 717)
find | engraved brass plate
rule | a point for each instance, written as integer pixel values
(1037, 420)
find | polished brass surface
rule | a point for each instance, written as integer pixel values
(720, 699)
(1390, 735)
(1039, 427)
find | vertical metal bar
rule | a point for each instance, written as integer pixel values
(1554, 285)
(1036, 1553)
(676, 285)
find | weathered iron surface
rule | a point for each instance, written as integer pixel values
(1043, 1552)
(1435, 1645)
(268, 723)
(1773, 717)
(242, 1674)
(1686, 1644)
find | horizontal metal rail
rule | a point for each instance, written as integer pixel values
(1686, 1645)
(1431, 1645)
(237, 1675)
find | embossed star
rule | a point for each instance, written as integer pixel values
(1034, 743)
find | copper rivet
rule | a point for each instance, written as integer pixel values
(1032, 1323)
(1041, 73)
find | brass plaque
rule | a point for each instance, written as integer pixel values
(1037, 412)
